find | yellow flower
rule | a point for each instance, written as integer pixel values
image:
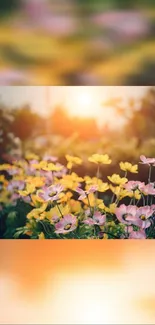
(116, 179)
(75, 206)
(44, 165)
(119, 192)
(36, 200)
(111, 208)
(126, 166)
(100, 159)
(41, 236)
(55, 212)
(5, 167)
(31, 156)
(92, 181)
(40, 165)
(36, 181)
(73, 161)
(35, 213)
(52, 167)
(103, 187)
(115, 189)
(65, 197)
(71, 181)
(3, 180)
(4, 197)
(102, 206)
(88, 180)
(30, 188)
(136, 194)
(92, 200)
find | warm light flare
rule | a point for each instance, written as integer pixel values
(84, 103)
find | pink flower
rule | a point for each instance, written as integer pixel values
(147, 161)
(97, 219)
(83, 194)
(134, 185)
(144, 213)
(51, 193)
(50, 158)
(48, 176)
(14, 197)
(62, 172)
(149, 189)
(127, 214)
(67, 224)
(138, 234)
(13, 171)
(55, 218)
(16, 185)
(26, 199)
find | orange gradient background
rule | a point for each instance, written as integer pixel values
(79, 282)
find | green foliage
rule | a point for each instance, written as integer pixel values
(15, 217)
(8, 6)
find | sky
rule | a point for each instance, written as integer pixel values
(84, 101)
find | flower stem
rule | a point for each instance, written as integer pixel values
(59, 209)
(125, 175)
(149, 181)
(89, 205)
(113, 197)
(149, 178)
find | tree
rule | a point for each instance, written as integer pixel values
(25, 124)
(142, 122)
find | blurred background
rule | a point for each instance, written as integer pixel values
(80, 121)
(77, 42)
(78, 282)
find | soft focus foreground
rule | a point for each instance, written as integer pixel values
(63, 42)
(86, 282)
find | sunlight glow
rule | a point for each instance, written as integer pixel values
(83, 103)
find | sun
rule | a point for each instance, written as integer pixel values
(83, 103)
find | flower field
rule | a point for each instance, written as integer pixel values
(42, 198)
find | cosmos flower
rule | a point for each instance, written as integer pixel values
(67, 224)
(50, 158)
(15, 185)
(137, 234)
(127, 214)
(134, 185)
(147, 161)
(97, 219)
(116, 179)
(73, 161)
(100, 159)
(128, 167)
(149, 189)
(144, 213)
(84, 194)
(50, 193)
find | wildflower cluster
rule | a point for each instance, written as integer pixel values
(55, 202)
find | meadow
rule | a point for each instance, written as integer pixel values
(78, 180)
